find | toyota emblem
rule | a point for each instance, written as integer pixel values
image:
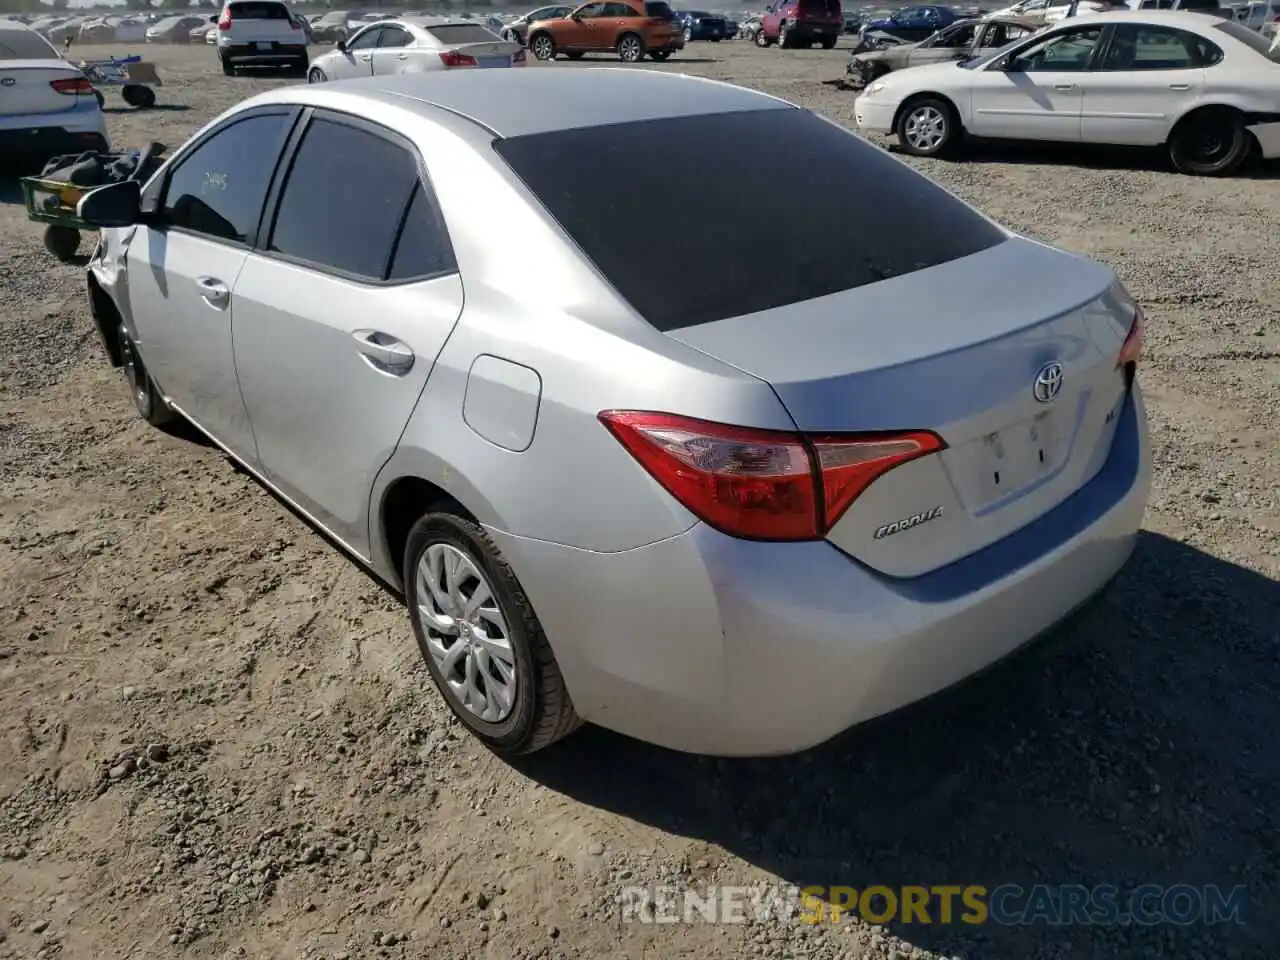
(1048, 382)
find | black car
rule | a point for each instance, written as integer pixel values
(703, 26)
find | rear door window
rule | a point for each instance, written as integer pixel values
(345, 201)
(850, 213)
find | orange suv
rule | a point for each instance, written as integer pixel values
(631, 28)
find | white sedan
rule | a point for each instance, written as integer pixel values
(1205, 87)
(412, 46)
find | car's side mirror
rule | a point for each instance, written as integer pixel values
(115, 205)
(341, 46)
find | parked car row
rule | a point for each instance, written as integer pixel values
(1202, 87)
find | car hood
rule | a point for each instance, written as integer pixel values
(925, 74)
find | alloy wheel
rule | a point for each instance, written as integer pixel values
(926, 128)
(467, 633)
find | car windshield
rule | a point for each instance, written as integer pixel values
(451, 33)
(982, 59)
(25, 45)
(258, 11)
(795, 251)
(1249, 38)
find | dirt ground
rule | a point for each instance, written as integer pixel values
(216, 739)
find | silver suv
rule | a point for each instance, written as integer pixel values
(261, 33)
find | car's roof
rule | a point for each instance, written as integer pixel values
(515, 102)
(1184, 19)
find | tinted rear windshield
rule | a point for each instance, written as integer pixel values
(25, 45)
(259, 11)
(462, 33)
(700, 218)
(829, 7)
(661, 10)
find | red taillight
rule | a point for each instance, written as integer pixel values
(225, 23)
(72, 85)
(295, 24)
(1131, 352)
(452, 58)
(761, 484)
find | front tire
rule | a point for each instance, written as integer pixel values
(1209, 143)
(630, 48)
(480, 638)
(316, 75)
(784, 38)
(542, 47)
(146, 396)
(660, 55)
(927, 127)
(760, 39)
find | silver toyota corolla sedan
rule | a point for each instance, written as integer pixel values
(473, 325)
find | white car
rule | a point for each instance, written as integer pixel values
(1051, 11)
(414, 45)
(1204, 87)
(47, 107)
(260, 33)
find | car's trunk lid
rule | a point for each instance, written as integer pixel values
(26, 87)
(956, 349)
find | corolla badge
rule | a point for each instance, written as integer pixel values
(1048, 382)
(924, 516)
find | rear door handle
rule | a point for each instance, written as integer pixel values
(384, 352)
(1064, 86)
(403, 56)
(365, 57)
(1179, 86)
(214, 292)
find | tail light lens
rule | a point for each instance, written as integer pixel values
(295, 24)
(1131, 351)
(225, 22)
(72, 85)
(451, 58)
(762, 484)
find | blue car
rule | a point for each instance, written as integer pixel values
(703, 26)
(912, 24)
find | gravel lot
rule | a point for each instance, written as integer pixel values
(218, 740)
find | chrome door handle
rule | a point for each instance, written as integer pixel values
(403, 56)
(383, 352)
(213, 292)
(365, 57)
(1064, 86)
(1179, 86)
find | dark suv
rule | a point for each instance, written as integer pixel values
(801, 23)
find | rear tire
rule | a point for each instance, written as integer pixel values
(504, 644)
(316, 75)
(1209, 143)
(542, 47)
(927, 127)
(227, 69)
(146, 396)
(630, 48)
(829, 44)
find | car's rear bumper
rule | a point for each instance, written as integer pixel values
(46, 135)
(715, 645)
(813, 31)
(250, 54)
